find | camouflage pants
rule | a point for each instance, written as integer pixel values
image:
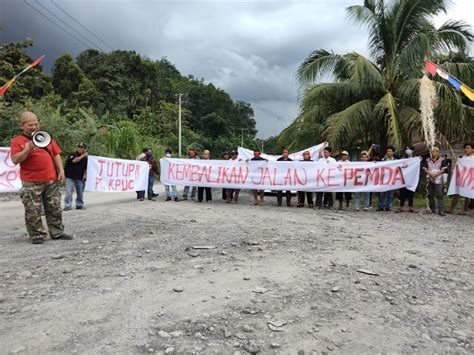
(33, 195)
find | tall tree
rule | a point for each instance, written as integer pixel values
(376, 99)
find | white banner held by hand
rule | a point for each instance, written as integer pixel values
(462, 179)
(245, 153)
(301, 176)
(116, 175)
(9, 172)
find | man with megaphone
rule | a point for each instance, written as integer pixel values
(41, 173)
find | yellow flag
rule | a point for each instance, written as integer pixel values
(468, 92)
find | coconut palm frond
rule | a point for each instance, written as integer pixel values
(386, 110)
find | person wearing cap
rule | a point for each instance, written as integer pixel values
(233, 194)
(284, 157)
(258, 193)
(76, 174)
(344, 196)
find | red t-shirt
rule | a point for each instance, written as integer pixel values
(38, 166)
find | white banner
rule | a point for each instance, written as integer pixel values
(9, 172)
(462, 179)
(301, 176)
(116, 175)
(246, 154)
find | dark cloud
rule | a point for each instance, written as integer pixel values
(251, 49)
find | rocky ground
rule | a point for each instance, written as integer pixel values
(173, 278)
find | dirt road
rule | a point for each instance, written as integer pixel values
(271, 280)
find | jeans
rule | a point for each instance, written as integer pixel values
(186, 192)
(385, 199)
(151, 182)
(171, 191)
(71, 185)
(366, 199)
(435, 191)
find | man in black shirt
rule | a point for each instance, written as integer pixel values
(284, 157)
(76, 171)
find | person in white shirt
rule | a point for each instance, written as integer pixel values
(325, 198)
(468, 154)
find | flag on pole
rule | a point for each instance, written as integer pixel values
(433, 69)
(5, 87)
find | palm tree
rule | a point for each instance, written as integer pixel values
(376, 99)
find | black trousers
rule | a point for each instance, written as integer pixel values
(324, 199)
(201, 193)
(406, 195)
(341, 196)
(309, 197)
(280, 198)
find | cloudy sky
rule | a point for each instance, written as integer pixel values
(251, 49)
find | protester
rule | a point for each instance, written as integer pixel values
(192, 154)
(140, 157)
(308, 194)
(76, 173)
(325, 198)
(153, 169)
(344, 196)
(206, 154)
(41, 172)
(468, 154)
(233, 194)
(225, 156)
(285, 157)
(434, 167)
(364, 156)
(258, 193)
(405, 194)
(385, 198)
(170, 190)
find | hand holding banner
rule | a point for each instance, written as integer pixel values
(9, 172)
(116, 175)
(462, 180)
(301, 176)
(246, 154)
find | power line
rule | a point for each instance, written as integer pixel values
(68, 25)
(61, 27)
(80, 24)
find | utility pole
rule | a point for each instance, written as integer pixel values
(179, 124)
(242, 137)
(262, 145)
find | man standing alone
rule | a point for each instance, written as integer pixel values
(41, 172)
(76, 171)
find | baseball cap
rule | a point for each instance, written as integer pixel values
(344, 152)
(82, 145)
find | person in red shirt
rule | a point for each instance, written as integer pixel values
(41, 173)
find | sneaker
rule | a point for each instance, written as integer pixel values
(37, 240)
(155, 195)
(152, 199)
(388, 210)
(176, 199)
(168, 199)
(366, 209)
(80, 208)
(67, 208)
(380, 209)
(64, 236)
(441, 213)
(141, 199)
(185, 198)
(357, 209)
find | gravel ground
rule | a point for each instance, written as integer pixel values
(263, 279)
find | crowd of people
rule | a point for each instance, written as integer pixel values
(42, 173)
(435, 169)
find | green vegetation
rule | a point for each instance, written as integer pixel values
(376, 100)
(120, 102)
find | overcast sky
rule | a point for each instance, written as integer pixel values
(251, 49)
